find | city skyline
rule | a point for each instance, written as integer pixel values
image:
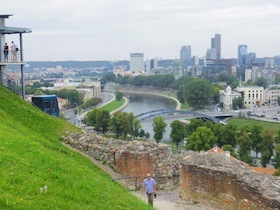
(109, 30)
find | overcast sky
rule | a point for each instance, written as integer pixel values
(111, 29)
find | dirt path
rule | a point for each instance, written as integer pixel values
(170, 200)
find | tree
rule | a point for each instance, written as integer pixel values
(141, 133)
(74, 97)
(181, 81)
(277, 79)
(178, 132)
(225, 76)
(139, 80)
(134, 125)
(256, 136)
(99, 119)
(262, 82)
(195, 123)
(159, 128)
(198, 93)
(250, 82)
(91, 117)
(218, 131)
(201, 139)
(230, 148)
(180, 94)
(104, 120)
(38, 92)
(237, 103)
(147, 135)
(277, 137)
(267, 147)
(245, 146)
(276, 160)
(109, 77)
(91, 102)
(119, 95)
(116, 124)
(216, 94)
(229, 135)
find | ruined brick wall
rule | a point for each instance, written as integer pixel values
(212, 178)
(227, 189)
(129, 164)
(130, 158)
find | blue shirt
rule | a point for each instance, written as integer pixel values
(149, 185)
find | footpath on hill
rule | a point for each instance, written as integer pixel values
(165, 200)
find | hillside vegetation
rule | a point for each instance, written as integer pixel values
(32, 156)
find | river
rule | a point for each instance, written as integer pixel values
(139, 103)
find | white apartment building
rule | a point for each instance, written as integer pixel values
(136, 62)
(90, 90)
(252, 74)
(271, 96)
(227, 96)
(253, 96)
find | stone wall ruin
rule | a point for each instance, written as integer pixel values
(212, 178)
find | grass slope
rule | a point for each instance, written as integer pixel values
(32, 156)
(113, 105)
(241, 122)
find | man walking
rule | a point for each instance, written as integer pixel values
(149, 185)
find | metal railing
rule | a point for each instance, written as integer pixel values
(10, 83)
(12, 57)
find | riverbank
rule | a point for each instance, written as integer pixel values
(121, 107)
(113, 111)
(143, 90)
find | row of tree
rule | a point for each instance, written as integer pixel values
(122, 124)
(240, 142)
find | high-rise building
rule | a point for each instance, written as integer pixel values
(195, 60)
(216, 45)
(151, 65)
(242, 54)
(250, 58)
(210, 54)
(185, 55)
(154, 63)
(136, 62)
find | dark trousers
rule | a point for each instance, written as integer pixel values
(150, 198)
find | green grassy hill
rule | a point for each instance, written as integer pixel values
(32, 156)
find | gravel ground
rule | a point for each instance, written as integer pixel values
(169, 200)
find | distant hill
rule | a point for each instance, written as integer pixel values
(106, 65)
(32, 157)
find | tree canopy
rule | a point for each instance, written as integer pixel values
(159, 128)
(178, 132)
(198, 93)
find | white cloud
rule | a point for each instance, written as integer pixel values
(111, 29)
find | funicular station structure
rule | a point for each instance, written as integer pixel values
(15, 57)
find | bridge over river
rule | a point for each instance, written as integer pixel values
(183, 114)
